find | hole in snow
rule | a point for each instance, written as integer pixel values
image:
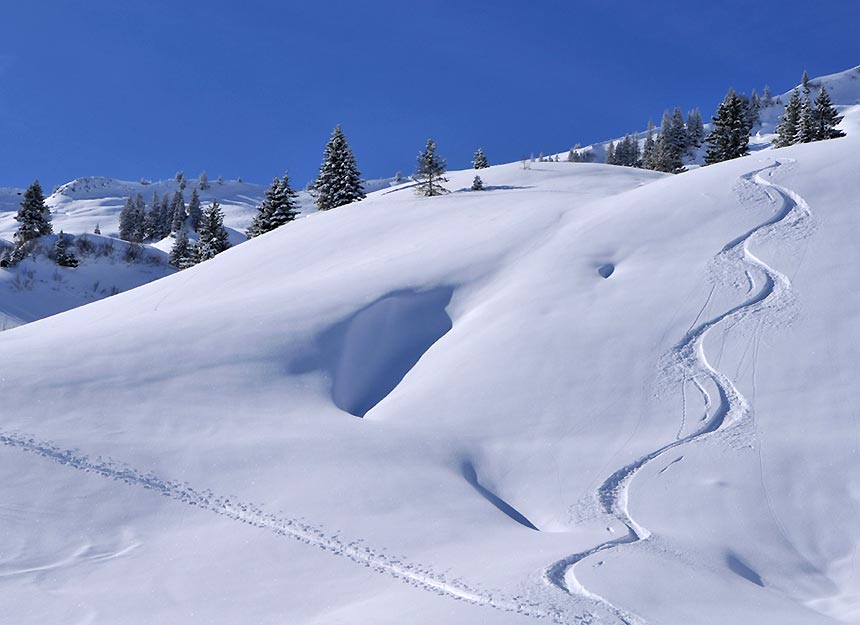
(606, 270)
(369, 353)
(472, 477)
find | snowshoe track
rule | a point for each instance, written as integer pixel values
(414, 574)
(687, 360)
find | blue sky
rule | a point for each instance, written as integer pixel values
(249, 88)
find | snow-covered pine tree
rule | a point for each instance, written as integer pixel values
(786, 130)
(213, 236)
(665, 155)
(477, 184)
(695, 129)
(610, 153)
(766, 97)
(132, 219)
(648, 147)
(284, 207)
(97, 230)
(166, 216)
(180, 178)
(203, 181)
(195, 211)
(678, 133)
(261, 223)
(178, 210)
(152, 220)
(431, 171)
(480, 160)
(62, 256)
(33, 217)
(826, 117)
(729, 137)
(182, 253)
(804, 81)
(339, 181)
(806, 124)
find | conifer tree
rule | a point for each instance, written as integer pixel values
(480, 160)
(766, 97)
(195, 212)
(648, 147)
(97, 230)
(166, 216)
(477, 184)
(666, 156)
(132, 219)
(806, 123)
(285, 207)
(730, 135)
(62, 256)
(826, 117)
(804, 80)
(203, 181)
(678, 134)
(178, 211)
(786, 130)
(182, 253)
(610, 153)
(431, 171)
(33, 217)
(213, 236)
(695, 129)
(339, 181)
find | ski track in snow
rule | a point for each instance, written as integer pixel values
(688, 357)
(417, 575)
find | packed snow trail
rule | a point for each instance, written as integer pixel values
(414, 574)
(688, 361)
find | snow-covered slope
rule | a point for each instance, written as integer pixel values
(590, 394)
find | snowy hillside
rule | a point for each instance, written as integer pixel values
(589, 394)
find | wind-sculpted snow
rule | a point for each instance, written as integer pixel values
(688, 361)
(412, 573)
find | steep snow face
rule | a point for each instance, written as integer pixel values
(589, 394)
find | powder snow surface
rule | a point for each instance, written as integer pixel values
(588, 394)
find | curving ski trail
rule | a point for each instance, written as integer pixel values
(688, 357)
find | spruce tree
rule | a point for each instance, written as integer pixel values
(62, 256)
(132, 219)
(203, 181)
(97, 230)
(430, 172)
(33, 216)
(195, 212)
(480, 160)
(339, 181)
(826, 117)
(610, 153)
(285, 208)
(678, 134)
(766, 97)
(806, 122)
(182, 253)
(667, 152)
(477, 184)
(648, 147)
(730, 135)
(695, 129)
(213, 235)
(178, 211)
(786, 130)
